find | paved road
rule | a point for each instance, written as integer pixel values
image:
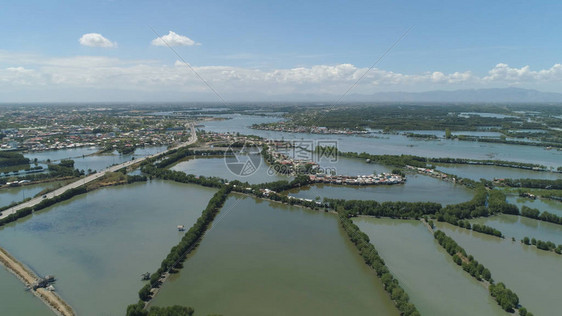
(90, 178)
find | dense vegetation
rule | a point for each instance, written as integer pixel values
(65, 168)
(390, 160)
(484, 203)
(497, 203)
(406, 117)
(10, 158)
(386, 209)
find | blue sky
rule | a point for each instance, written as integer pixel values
(274, 48)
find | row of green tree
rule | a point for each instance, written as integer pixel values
(484, 203)
(386, 209)
(179, 176)
(422, 162)
(374, 260)
(480, 228)
(499, 163)
(543, 245)
(188, 242)
(43, 204)
(534, 183)
(283, 185)
(175, 310)
(454, 214)
(506, 298)
(544, 216)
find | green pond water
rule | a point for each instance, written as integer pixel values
(216, 167)
(425, 271)
(98, 244)
(534, 275)
(418, 188)
(14, 300)
(520, 227)
(551, 206)
(264, 258)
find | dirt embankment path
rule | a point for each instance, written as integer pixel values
(28, 278)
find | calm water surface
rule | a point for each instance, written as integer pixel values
(551, 206)
(14, 300)
(520, 227)
(398, 144)
(418, 188)
(491, 172)
(432, 280)
(98, 244)
(535, 275)
(216, 167)
(262, 258)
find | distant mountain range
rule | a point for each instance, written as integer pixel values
(497, 95)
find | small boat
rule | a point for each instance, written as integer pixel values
(181, 228)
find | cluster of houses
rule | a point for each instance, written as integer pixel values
(50, 141)
(282, 127)
(305, 200)
(292, 164)
(62, 128)
(214, 139)
(431, 172)
(383, 178)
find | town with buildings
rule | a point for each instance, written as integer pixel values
(290, 128)
(52, 129)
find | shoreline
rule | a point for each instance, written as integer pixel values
(28, 277)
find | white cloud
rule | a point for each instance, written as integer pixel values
(503, 72)
(173, 39)
(30, 73)
(95, 40)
